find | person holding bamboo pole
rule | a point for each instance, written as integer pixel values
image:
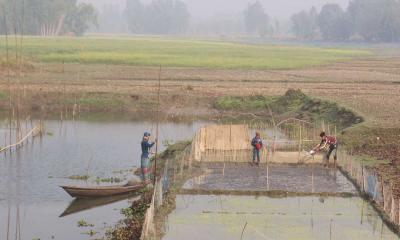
(145, 157)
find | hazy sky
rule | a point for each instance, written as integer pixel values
(281, 9)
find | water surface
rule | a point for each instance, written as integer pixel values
(199, 217)
(30, 178)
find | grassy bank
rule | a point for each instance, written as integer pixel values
(293, 103)
(179, 53)
(3, 95)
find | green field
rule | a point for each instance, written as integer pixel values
(178, 53)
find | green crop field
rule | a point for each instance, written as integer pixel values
(177, 53)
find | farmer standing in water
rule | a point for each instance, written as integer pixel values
(145, 158)
(257, 145)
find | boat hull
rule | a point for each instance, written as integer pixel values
(92, 192)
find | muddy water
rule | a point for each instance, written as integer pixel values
(30, 178)
(291, 178)
(296, 218)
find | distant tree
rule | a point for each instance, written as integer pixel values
(167, 16)
(256, 19)
(390, 28)
(158, 17)
(305, 25)
(135, 16)
(43, 17)
(376, 20)
(181, 17)
(365, 18)
(80, 18)
(111, 19)
(333, 23)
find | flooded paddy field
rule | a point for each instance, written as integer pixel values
(290, 178)
(240, 201)
(31, 200)
(249, 217)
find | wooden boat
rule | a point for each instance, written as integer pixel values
(93, 192)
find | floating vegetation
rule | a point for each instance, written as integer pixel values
(108, 180)
(131, 227)
(127, 212)
(122, 171)
(79, 177)
(83, 223)
(90, 233)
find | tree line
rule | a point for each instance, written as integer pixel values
(172, 16)
(46, 17)
(363, 20)
(157, 17)
(65, 17)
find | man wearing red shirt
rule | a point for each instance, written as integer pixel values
(329, 143)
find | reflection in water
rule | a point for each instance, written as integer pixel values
(82, 204)
(30, 178)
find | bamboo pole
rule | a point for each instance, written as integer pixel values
(8, 73)
(157, 127)
(37, 128)
(8, 222)
(300, 138)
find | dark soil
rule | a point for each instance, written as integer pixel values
(383, 145)
(380, 143)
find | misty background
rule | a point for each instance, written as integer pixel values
(210, 16)
(205, 9)
(312, 20)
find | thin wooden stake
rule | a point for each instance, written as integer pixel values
(8, 222)
(157, 127)
(244, 228)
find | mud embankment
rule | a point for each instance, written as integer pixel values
(131, 227)
(294, 103)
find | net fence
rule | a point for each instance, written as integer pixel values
(214, 146)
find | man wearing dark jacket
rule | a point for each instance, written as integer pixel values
(145, 160)
(257, 144)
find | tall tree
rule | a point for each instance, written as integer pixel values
(376, 20)
(256, 19)
(135, 16)
(390, 28)
(111, 19)
(42, 17)
(333, 23)
(305, 25)
(80, 18)
(158, 17)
